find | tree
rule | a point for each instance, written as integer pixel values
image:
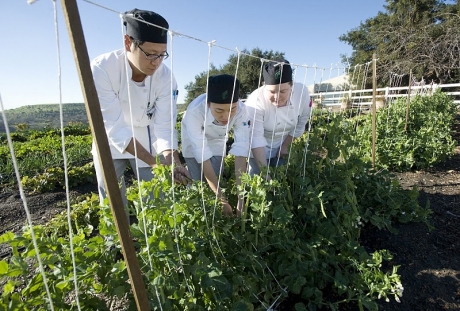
(247, 70)
(418, 35)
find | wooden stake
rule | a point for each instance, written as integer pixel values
(374, 94)
(95, 119)
(408, 100)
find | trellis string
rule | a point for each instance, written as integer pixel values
(26, 208)
(64, 156)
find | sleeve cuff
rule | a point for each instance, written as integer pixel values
(240, 150)
(162, 144)
(121, 144)
(257, 143)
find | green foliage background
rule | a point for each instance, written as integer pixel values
(424, 140)
(247, 69)
(38, 117)
(421, 36)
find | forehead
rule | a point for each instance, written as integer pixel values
(154, 47)
(277, 87)
(216, 106)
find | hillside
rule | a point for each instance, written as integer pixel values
(42, 116)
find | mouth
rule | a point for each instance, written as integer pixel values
(278, 104)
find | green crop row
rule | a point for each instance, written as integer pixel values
(297, 246)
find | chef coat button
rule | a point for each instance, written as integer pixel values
(145, 91)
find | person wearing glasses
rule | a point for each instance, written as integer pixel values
(204, 134)
(280, 110)
(137, 94)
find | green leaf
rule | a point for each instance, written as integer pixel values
(6, 237)
(3, 267)
(118, 267)
(63, 284)
(297, 286)
(300, 307)
(369, 304)
(8, 288)
(14, 272)
(242, 306)
(281, 214)
(97, 286)
(120, 291)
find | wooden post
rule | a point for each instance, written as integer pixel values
(374, 93)
(408, 100)
(93, 110)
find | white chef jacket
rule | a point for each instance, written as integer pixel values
(202, 137)
(154, 123)
(272, 124)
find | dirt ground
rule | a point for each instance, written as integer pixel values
(429, 260)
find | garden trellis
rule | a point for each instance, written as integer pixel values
(330, 106)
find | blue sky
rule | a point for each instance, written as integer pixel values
(306, 31)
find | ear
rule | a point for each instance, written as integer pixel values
(127, 43)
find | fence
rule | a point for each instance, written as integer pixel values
(363, 98)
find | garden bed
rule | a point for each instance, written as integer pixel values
(429, 260)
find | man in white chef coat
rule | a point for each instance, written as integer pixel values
(137, 94)
(205, 127)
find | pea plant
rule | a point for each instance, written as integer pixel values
(424, 140)
(296, 247)
(40, 159)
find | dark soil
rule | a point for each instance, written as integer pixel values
(429, 260)
(42, 207)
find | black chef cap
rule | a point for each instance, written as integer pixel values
(277, 72)
(143, 31)
(222, 87)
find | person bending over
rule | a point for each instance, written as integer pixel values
(204, 133)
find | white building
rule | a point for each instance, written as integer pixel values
(339, 83)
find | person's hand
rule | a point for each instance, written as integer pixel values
(181, 175)
(283, 152)
(227, 209)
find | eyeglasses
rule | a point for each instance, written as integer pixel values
(153, 57)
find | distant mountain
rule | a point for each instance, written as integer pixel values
(43, 116)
